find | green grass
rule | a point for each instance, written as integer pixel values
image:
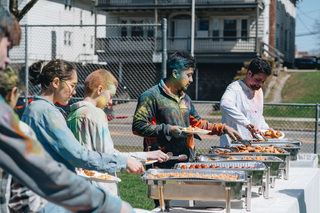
(134, 191)
(302, 88)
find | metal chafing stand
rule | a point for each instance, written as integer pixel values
(255, 170)
(191, 189)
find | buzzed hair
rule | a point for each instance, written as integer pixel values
(99, 77)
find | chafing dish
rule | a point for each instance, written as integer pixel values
(169, 188)
(274, 141)
(293, 149)
(272, 162)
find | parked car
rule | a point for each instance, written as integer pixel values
(306, 63)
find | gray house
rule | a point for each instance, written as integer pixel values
(226, 33)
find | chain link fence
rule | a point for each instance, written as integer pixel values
(132, 52)
(294, 120)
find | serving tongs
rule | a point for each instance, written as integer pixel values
(225, 147)
(182, 157)
(244, 142)
(260, 134)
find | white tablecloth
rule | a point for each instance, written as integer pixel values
(299, 194)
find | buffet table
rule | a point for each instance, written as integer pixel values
(299, 194)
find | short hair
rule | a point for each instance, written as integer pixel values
(8, 80)
(9, 27)
(180, 60)
(99, 77)
(259, 65)
(43, 73)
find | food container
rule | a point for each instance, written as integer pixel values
(293, 149)
(170, 188)
(274, 141)
(253, 168)
(271, 162)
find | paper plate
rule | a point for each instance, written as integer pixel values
(199, 132)
(95, 177)
(150, 162)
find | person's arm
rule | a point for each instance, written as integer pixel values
(54, 130)
(143, 123)
(96, 136)
(228, 106)
(30, 164)
(216, 129)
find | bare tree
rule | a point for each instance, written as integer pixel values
(13, 7)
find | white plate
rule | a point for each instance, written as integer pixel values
(202, 132)
(113, 179)
(282, 134)
(150, 162)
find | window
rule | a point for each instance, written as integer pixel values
(137, 31)
(67, 38)
(172, 28)
(150, 30)
(204, 25)
(67, 3)
(244, 29)
(230, 29)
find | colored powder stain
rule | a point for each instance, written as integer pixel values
(101, 101)
(255, 111)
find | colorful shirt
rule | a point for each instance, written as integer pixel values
(157, 110)
(27, 161)
(52, 131)
(241, 106)
(89, 124)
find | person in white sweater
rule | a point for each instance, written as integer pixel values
(242, 102)
(89, 123)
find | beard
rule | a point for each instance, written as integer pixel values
(254, 87)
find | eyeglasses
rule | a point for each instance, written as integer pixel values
(73, 86)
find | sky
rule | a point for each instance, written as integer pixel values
(308, 11)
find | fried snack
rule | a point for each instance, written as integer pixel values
(184, 167)
(104, 176)
(88, 172)
(193, 175)
(247, 149)
(271, 134)
(195, 129)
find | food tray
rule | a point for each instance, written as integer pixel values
(165, 189)
(150, 172)
(274, 141)
(253, 168)
(194, 188)
(273, 162)
(112, 179)
(293, 150)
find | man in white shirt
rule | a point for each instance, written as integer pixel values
(242, 102)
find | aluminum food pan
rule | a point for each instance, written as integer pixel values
(273, 162)
(284, 140)
(284, 156)
(256, 169)
(194, 189)
(293, 150)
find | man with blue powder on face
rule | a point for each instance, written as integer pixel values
(165, 109)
